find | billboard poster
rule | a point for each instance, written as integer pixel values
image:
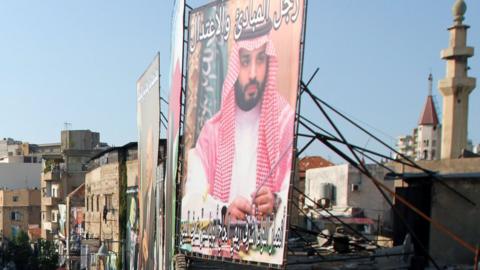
(148, 121)
(77, 228)
(131, 245)
(62, 212)
(175, 85)
(160, 197)
(242, 88)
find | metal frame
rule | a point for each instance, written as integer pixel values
(359, 164)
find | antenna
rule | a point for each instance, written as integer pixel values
(67, 126)
(430, 80)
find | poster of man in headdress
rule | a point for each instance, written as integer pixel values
(148, 121)
(243, 77)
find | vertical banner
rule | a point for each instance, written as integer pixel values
(175, 86)
(131, 245)
(243, 78)
(62, 212)
(148, 121)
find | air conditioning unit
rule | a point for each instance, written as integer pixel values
(355, 187)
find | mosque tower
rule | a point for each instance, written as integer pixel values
(428, 132)
(456, 86)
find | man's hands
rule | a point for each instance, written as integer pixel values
(264, 200)
(239, 208)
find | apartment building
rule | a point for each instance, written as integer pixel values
(62, 173)
(105, 201)
(19, 208)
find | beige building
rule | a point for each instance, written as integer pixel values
(304, 164)
(19, 208)
(106, 182)
(348, 193)
(12, 151)
(444, 198)
(62, 173)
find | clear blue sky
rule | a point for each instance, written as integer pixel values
(78, 61)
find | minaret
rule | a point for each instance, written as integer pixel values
(456, 86)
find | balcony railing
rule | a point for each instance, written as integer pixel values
(50, 201)
(53, 175)
(50, 225)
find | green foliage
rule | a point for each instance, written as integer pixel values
(48, 165)
(47, 256)
(123, 205)
(20, 251)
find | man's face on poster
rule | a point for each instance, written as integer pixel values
(250, 84)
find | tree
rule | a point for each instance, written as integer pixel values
(19, 251)
(43, 257)
(47, 257)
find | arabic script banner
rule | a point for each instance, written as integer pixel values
(242, 88)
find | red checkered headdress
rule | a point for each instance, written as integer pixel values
(268, 149)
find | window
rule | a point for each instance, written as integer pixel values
(87, 200)
(15, 215)
(425, 143)
(15, 198)
(98, 203)
(108, 201)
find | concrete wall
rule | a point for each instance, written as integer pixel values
(20, 175)
(458, 216)
(450, 210)
(336, 175)
(79, 139)
(368, 197)
(365, 196)
(99, 183)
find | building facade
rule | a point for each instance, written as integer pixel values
(407, 145)
(63, 173)
(19, 208)
(348, 193)
(13, 151)
(106, 204)
(20, 175)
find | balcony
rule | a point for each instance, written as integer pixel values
(50, 226)
(51, 201)
(53, 175)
